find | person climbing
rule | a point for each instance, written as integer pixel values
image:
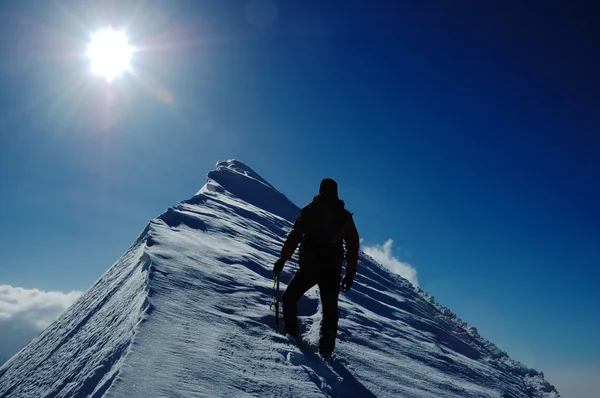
(320, 229)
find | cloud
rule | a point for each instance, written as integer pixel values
(383, 255)
(24, 313)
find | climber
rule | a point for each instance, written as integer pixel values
(320, 229)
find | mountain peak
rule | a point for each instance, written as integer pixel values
(237, 166)
(234, 178)
(185, 312)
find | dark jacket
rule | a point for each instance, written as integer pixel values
(320, 229)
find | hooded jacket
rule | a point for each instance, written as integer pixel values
(320, 229)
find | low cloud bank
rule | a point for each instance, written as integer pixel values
(383, 255)
(24, 313)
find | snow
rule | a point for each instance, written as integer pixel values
(185, 313)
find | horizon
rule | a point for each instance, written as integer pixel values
(463, 137)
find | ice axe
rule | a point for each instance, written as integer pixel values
(275, 303)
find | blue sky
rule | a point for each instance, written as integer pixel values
(466, 132)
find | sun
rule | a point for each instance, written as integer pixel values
(109, 54)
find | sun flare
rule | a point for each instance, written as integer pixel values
(109, 54)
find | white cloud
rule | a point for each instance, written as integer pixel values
(383, 255)
(24, 313)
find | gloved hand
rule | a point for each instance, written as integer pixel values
(347, 282)
(278, 266)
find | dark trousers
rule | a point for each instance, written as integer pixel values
(329, 287)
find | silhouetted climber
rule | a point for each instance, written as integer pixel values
(320, 229)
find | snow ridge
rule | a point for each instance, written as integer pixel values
(81, 353)
(533, 379)
(185, 312)
(235, 178)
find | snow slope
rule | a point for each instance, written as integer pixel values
(185, 313)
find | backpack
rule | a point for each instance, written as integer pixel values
(323, 223)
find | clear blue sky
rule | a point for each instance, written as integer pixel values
(466, 131)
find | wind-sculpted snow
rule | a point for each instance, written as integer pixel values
(252, 189)
(185, 313)
(80, 353)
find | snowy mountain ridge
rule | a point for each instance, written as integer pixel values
(184, 312)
